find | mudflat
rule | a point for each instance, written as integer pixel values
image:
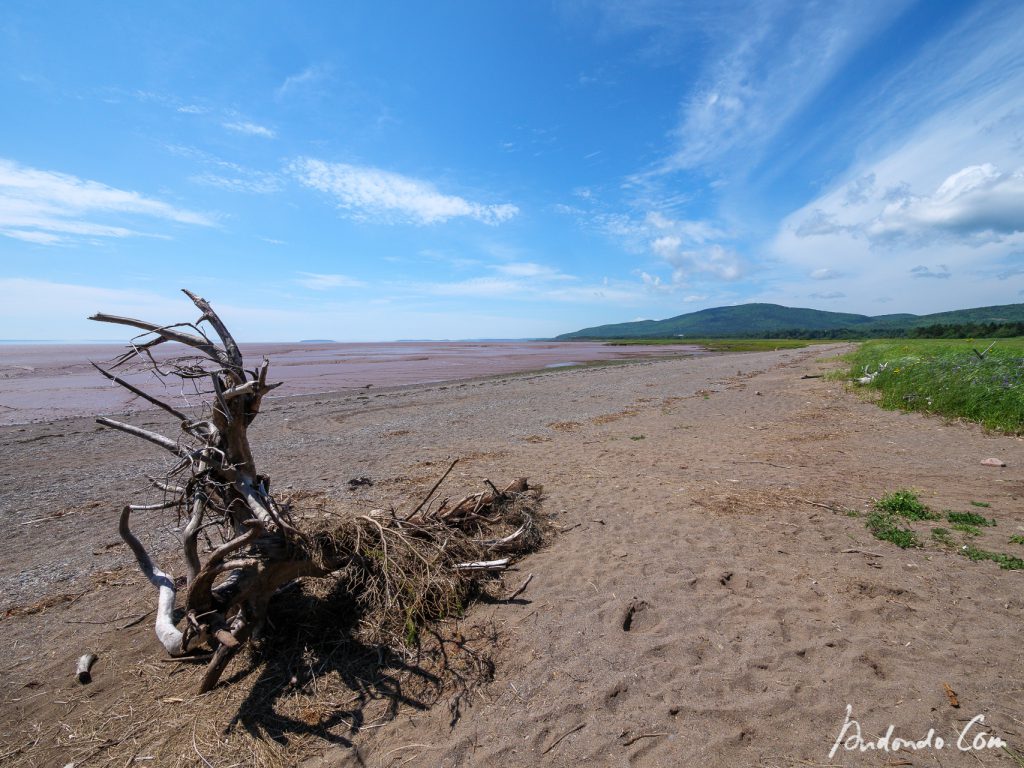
(709, 594)
(43, 382)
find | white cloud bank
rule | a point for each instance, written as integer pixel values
(935, 216)
(50, 208)
(371, 193)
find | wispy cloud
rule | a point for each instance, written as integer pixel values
(50, 208)
(254, 182)
(303, 80)
(769, 68)
(934, 206)
(531, 270)
(250, 128)
(228, 175)
(320, 282)
(371, 193)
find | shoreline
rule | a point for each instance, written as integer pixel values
(42, 386)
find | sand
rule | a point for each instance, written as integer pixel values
(707, 600)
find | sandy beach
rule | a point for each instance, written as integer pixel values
(706, 596)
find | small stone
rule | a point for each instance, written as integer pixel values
(993, 462)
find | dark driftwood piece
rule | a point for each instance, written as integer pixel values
(214, 482)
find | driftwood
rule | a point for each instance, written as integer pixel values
(83, 670)
(214, 484)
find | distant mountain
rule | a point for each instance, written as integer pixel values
(770, 319)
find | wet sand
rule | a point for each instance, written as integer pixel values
(41, 382)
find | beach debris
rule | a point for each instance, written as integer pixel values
(954, 700)
(993, 462)
(869, 376)
(403, 571)
(84, 669)
(357, 482)
(559, 740)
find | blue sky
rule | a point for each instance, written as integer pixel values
(371, 171)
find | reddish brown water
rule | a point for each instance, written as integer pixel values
(51, 381)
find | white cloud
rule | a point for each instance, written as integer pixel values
(975, 204)
(304, 79)
(948, 190)
(252, 182)
(829, 295)
(192, 109)
(769, 68)
(685, 245)
(366, 192)
(50, 208)
(319, 282)
(978, 201)
(532, 270)
(250, 129)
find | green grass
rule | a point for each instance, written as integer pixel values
(941, 535)
(905, 504)
(882, 526)
(969, 518)
(948, 377)
(984, 504)
(1007, 562)
(970, 530)
(721, 345)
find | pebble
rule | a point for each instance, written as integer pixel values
(993, 462)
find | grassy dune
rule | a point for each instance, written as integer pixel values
(980, 380)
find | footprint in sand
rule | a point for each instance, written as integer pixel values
(640, 616)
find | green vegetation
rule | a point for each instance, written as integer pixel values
(969, 518)
(883, 526)
(775, 321)
(980, 504)
(721, 345)
(941, 535)
(1007, 562)
(905, 504)
(637, 437)
(970, 530)
(981, 381)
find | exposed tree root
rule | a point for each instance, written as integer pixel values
(402, 572)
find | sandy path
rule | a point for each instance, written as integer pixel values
(688, 484)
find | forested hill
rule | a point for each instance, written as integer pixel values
(774, 320)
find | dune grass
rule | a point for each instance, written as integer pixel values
(975, 379)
